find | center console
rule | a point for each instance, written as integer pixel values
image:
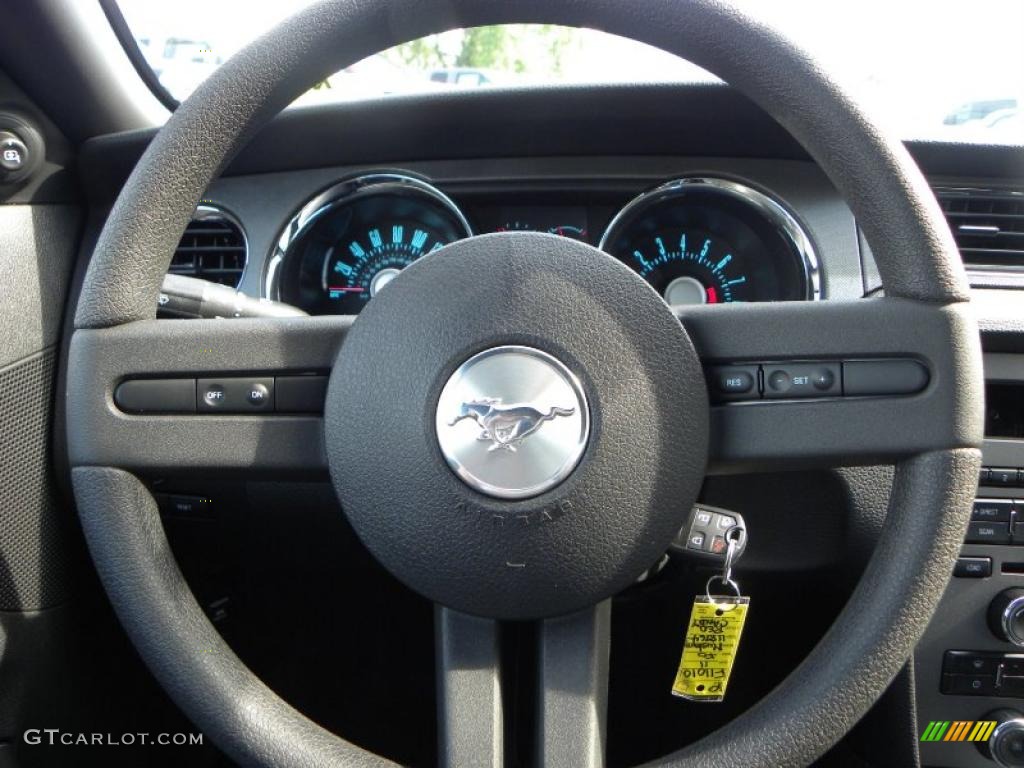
(969, 666)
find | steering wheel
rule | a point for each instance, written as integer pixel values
(529, 523)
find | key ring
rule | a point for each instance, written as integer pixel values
(734, 538)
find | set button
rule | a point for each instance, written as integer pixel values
(802, 380)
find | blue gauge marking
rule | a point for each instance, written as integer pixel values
(689, 275)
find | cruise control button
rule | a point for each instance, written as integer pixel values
(802, 380)
(212, 396)
(258, 395)
(236, 395)
(734, 382)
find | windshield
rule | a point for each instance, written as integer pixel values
(932, 70)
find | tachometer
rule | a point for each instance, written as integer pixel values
(713, 241)
(349, 242)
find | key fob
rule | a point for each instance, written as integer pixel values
(704, 534)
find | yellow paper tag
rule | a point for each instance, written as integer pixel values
(712, 639)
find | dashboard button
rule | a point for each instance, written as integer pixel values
(13, 152)
(1002, 476)
(973, 567)
(988, 533)
(969, 685)
(970, 663)
(992, 510)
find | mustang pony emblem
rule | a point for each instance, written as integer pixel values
(506, 426)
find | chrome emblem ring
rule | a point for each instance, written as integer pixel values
(512, 422)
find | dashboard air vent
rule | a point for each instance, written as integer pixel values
(213, 248)
(988, 226)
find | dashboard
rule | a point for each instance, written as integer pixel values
(695, 240)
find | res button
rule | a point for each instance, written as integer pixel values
(734, 382)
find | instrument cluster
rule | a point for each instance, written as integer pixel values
(696, 240)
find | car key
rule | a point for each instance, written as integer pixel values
(704, 534)
(713, 632)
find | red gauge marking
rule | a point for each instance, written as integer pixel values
(712, 295)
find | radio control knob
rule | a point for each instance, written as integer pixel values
(1006, 616)
(1006, 744)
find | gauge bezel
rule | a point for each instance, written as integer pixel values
(342, 193)
(772, 209)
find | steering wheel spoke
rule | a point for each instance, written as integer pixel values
(470, 711)
(767, 430)
(573, 687)
(107, 428)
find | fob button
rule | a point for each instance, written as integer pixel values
(718, 545)
(724, 523)
(696, 541)
(703, 518)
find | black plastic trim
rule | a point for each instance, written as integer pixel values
(123, 33)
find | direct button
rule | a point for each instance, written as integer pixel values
(992, 510)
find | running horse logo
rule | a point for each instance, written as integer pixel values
(506, 426)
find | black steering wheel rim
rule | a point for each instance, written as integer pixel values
(917, 261)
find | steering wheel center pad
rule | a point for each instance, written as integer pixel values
(591, 535)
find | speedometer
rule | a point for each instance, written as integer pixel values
(349, 242)
(714, 241)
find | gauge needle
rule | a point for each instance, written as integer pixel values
(346, 288)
